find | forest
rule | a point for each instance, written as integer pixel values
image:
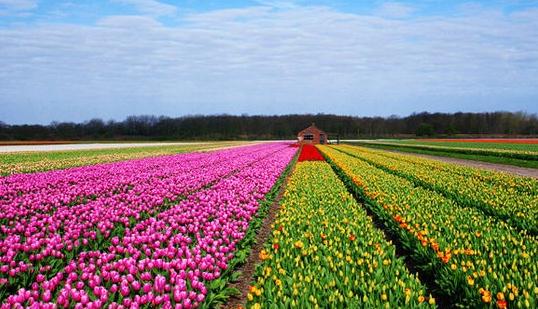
(243, 127)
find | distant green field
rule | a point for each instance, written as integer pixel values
(28, 162)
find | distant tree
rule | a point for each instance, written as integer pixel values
(425, 129)
(450, 130)
(200, 127)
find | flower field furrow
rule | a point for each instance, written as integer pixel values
(520, 209)
(53, 240)
(476, 260)
(27, 194)
(326, 253)
(169, 258)
(520, 184)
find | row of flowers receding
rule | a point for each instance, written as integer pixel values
(325, 252)
(168, 258)
(510, 198)
(45, 235)
(505, 180)
(507, 153)
(310, 153)
(476, 260)
(30, 162)
(24, 196)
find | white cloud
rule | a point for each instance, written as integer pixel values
(16, 6)
(395, 10)
(259, 60)
(280, 4)
(129, 22)
(150, 7)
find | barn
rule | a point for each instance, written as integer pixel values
(312, 135)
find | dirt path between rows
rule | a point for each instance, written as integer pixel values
(516, 170)
(248, 269)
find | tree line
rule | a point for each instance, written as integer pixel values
(226, 127)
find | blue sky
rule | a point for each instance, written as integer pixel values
(76, 60)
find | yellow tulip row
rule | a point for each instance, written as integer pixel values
(325, 252)
(465, 185)
(476, 259)
(507, 181)
(510, 153)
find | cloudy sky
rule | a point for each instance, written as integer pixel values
(76, 60)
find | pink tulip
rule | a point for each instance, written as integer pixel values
(160, 281)
(147, 288)
(124, 290)
(164, 242)
(46, 297)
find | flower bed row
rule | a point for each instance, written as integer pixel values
(325, 252)
(475, 259)
(507, 153)
(46, 243)
(310, 153)
(520, 209)
(31, 162)
(41, 193)
(524, 141)
(508, 181)
(168, 259)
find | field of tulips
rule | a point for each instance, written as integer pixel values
(526, 144)
(475, 259)
(508, 150)
(520, 184)
(154, 231)
(171, 230)
(325, 252)
(30, 162)
(511, 198)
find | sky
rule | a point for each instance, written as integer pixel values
(77, 60)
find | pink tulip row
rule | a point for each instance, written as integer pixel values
(24, 195)
(166, 260)
(32, 244)
(128, 175)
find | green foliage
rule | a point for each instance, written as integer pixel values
(425, 129)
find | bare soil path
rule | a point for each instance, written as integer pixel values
(249, 268)
(516, 170)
